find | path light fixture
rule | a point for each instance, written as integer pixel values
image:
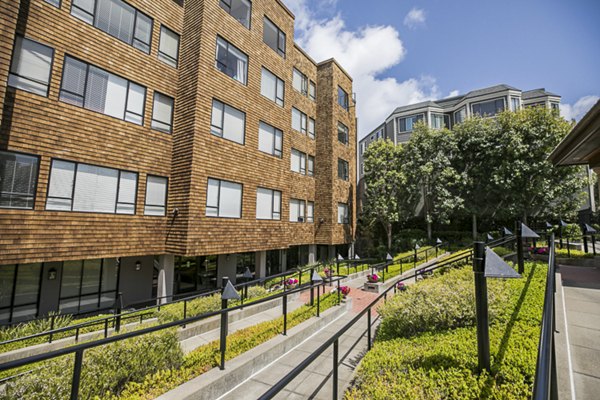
(562, 224)
(486, 264)
(438, 243)
(388, 260)
(337, 263)
(506, 231)
(417, 247)
(317, 279)
(523, 232)
(248, 277)
(228, 293)
(489, 238)
(138, 265)
(589, 230)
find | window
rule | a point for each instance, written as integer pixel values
(238, 9)
(88, 285)
(272, 87)
(311, 166)
(89, 188)
(18, 180)
(299, 82)
(437, 121)
(343, 214)
(296, 210)
(231, 61)
(87, 86)
(55, 3)
(362, 169)
(488, 108)
(118, 19)
(19, 289)
(460, 115)
(515, 103)
(274, 37)
(162, 113)
(228, 122)
(342, 133)
(407, 124)
(268, 204)
(168, 46)
(554, 106)
(270, 140)
(156, 195)
(298, 162)
(311, 128)
(223, 199)
(298, 120)
(343, 171)
(31, 66)
(343, 99)
(310, 211)
(312, 90)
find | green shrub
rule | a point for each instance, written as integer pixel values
(503, 251)
(564, 253)
(106, 370)
(442, 364)
(445, 302)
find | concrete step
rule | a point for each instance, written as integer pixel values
(216, 383)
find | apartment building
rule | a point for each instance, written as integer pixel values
(450, 111)
(151, 147)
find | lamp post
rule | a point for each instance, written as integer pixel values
(548, 230)
(356, 257)
(561, 226)
(438, 243)
(247, 277)
(228, 293)
(316, 278)
(589, 230)
(388, 261)
(417, 247)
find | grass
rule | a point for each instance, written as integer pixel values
(440, 362)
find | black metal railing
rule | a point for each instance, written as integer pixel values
(544, 385)
(79, 349)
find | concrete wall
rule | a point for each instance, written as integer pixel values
(135, 285)
(50, 289)
(226, 266)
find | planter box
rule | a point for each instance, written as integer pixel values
(373, 287)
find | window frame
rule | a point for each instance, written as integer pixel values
(415, 119)
(72, 198)
(162, 122)
(345, 170)
(23, 37)
(303, 121)
(345, 218)
(302, 156)
(206, 206)
(229, 12)
(346, 131)
(311, 135)
(166, 199)
(164, 55)
(37, 178)
(273, 212)
(217, 62)
(85, 88)
(303, 82)
(214, 99)
(301, 210)
(55, 5)
(310, 217)
(310, 160)
(275, 151)
(313, 95)
(135, 22)
(344, 104)
(279, 32)
(494, 100)
(278, 81)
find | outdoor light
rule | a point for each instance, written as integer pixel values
(175, 212)
(340, 258)
(438, 241)
(52, 274)
(589, 229)
(506, 231)
(138, 265)
(356, 257)
(417, 247)
(247, 273)
(389, 257)
(548, 225)
(563, 223)
(316, 277)
(490, 237)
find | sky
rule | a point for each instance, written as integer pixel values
(406, 51)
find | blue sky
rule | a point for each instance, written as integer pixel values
(459, 45)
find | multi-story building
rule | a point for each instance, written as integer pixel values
(453, 110)
(151, 147)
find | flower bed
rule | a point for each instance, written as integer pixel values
(373, 278)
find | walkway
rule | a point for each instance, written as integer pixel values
(578, 358)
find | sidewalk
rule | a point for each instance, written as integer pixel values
(579, 367)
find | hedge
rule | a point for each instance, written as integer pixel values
(442, 362)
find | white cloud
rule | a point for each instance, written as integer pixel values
(453, 93)
(415, 18)
(365, 53)
(578, 110)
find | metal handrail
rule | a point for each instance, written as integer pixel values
(333, 340)
(543, 383)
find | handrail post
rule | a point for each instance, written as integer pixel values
(585, 244)
(184, 311)
(481, 307)
(118, 317)
(568, 247)
(284, 304)
(76, 375)
(338, 292)
(312, 287)
(51, 327)
(223, 338)
(335, 368)
(369, 329)
(593, 244)
(106, 328)
(415, 260)
(318, 303)
(520, 259)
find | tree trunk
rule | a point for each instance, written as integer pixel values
(474, 227)
(388, 229)
(428, 229)
(525, 217)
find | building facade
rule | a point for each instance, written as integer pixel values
(453, 110)
(151, 147)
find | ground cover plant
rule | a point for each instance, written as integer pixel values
(146, 366)
(426, 347)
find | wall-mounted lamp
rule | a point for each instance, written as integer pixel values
(138, 265)
(175, 212)
(52, 274)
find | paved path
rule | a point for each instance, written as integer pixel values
(580, 291)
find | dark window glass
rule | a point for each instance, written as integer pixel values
(30, 67)
(342, 133)
(343, 99)
(231, 61)
(488, 108)
(18, 179)
(274, 37)
(343, 172)
(238, 9)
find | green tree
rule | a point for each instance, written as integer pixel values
(429, 173)
(384, 202)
